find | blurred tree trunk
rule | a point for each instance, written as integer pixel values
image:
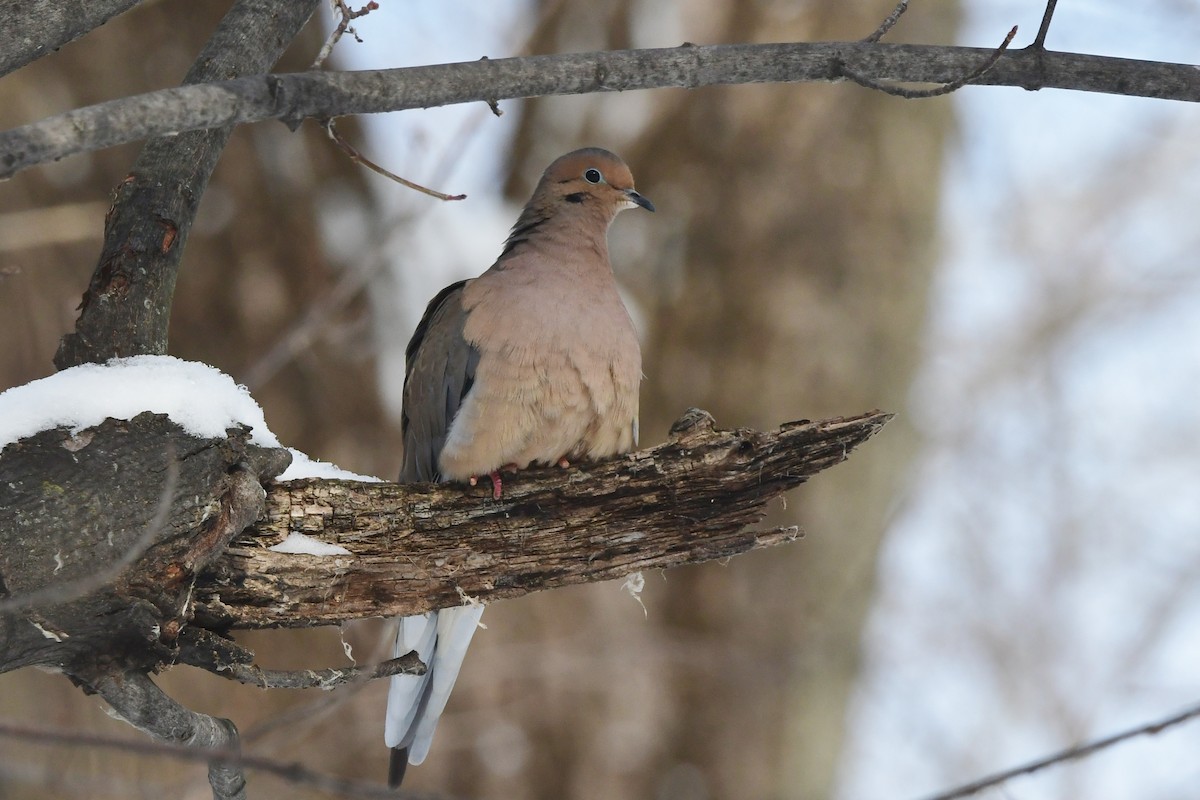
(784, 276)
(254, 264)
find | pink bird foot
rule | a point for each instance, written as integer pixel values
(497, 482)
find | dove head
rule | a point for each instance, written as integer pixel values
(592, 180)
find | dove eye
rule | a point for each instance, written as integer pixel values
(592, 176)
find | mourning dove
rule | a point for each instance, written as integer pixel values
(534, 362)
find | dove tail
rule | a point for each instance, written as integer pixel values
(396, 767)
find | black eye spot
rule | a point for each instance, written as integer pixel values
(592, 176)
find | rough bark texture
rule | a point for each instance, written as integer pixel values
(292, 98)
(421, 548)
(254, 264)
(127, 306)
(413, 548)
(147, 708)
(72, 506)
(34, 29)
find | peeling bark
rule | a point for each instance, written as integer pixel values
(426, 546)
(72, 506)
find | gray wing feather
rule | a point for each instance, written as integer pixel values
(439, 370)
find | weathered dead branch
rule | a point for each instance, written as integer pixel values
(421, 547)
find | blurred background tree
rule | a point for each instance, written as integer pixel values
(786, 277)
(256, 264)
(790, 272)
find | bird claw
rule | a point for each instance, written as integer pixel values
(497, 483)
(512, 469)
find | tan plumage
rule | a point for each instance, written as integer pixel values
(534, 361)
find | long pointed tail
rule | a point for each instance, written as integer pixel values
(397, 765)
(416, 702)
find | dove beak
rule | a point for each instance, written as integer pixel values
(639, 200)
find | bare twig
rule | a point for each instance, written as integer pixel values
(293, 773)
(889, 22)
(306, 329)
(209, 651)
(945, 88)
(346, 14)
(67, 591)
(1070, 754)
(359, 158)
(1039, 41)
(324, 679)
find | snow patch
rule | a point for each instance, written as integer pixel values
(299, 544)
(201, 399)
(304, 467)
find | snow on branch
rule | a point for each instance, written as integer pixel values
(421, 547)
(183, 527)
(72, 503)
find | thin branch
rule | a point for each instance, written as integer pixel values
(324, 679)
(293, 773)
(1039, 42)
(32, 30)
(202, 648)
(889, 22)
(305, 330)
(1070, 754)
(359, 158)
(322, 95)
(946, 88)
(346, 15)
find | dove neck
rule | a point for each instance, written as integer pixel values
(562, 238)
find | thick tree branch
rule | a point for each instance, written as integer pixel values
(76, 505)
(294, 97)
(127, 306)
(66, 511)
(143, 705)
(32, 30)
(421, 547)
